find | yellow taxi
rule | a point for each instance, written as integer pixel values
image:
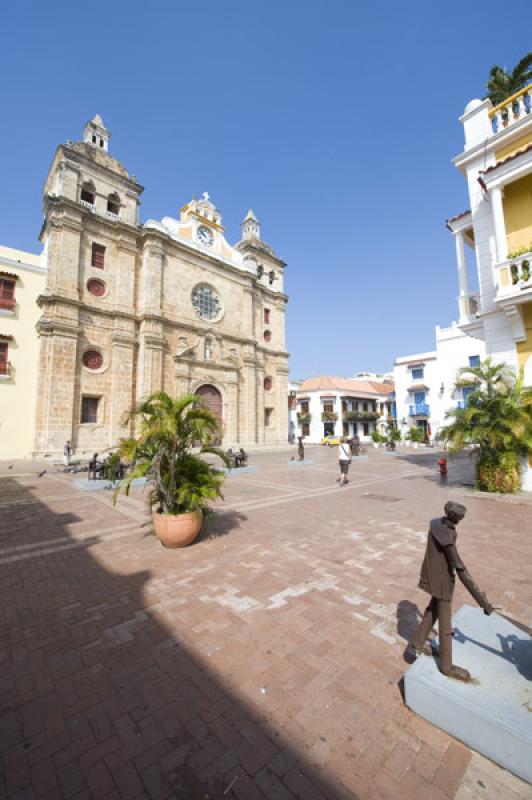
(331, 440)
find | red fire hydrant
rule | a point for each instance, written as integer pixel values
(442, 464)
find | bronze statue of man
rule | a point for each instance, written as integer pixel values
(437, 577)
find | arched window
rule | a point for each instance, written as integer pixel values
(88, 193)
(113, 204)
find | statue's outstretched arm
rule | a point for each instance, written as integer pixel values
(454, 560)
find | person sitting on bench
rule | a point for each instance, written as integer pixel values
(241, 458)
(97, 468)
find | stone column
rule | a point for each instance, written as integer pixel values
(124, 273)
(57, 418)
(498, 220)
(150, 363)
(461, 263)
(151, 276)
(122, 379)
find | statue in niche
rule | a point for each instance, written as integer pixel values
(437, 578)
(234, 358)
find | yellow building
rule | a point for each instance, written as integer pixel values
(497, 165)
(22, 278)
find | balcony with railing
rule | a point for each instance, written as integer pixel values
(329, 416)
(514, 277)
(511, 110)
(89, 206)
(303, 417)
(361, 416)
(419, 410)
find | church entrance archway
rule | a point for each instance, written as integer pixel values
(212, 399)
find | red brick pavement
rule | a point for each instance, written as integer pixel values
(262, 662)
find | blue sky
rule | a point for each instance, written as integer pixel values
(335, 121)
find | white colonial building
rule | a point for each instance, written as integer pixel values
(428, 385)
(331, 406)
(497, 165)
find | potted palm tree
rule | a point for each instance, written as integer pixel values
(415, 435)
(496, 425)
(165, 452)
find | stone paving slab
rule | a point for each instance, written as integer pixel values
(264, 661)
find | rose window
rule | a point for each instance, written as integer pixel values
(96, 287)
(92, 359)
(206, 302)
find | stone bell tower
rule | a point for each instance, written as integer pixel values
(87, 327)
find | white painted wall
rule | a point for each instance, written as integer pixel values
(441, 367)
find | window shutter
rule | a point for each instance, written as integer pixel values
(3, 358)
(98, 255)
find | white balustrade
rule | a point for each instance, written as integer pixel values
(512, 110)
(514, 274)
(90, 206)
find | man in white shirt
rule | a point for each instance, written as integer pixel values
(344, 459)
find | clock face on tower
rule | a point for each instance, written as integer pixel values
(205, 236)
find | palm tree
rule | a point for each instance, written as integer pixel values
(169, 429)
(503, 84)
(497, 424)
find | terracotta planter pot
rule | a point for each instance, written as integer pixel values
(177, 530)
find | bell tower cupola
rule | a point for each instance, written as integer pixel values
(250, 226)
(96, 134)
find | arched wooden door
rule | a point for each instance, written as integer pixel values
(212, 399)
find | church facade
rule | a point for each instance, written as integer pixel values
(130, 309)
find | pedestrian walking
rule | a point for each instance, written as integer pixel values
(344, 459)
(67, 450)
(300, 448)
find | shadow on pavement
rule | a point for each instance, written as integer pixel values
(100, 698)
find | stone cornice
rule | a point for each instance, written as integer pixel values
(196, 258)
(123, 339)
(49, 299)
(47, 327)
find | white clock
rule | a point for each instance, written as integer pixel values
(205, 236)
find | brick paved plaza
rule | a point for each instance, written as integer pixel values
(265, 661)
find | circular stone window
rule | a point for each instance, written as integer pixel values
(267, 336)
(268, 383)
(92, 359)
(206, 302)
(97, 287)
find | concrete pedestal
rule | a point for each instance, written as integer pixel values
(493, 713)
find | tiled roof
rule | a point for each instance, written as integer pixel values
(349, 385)
(508, 158)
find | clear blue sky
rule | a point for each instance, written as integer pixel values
(335, 121)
